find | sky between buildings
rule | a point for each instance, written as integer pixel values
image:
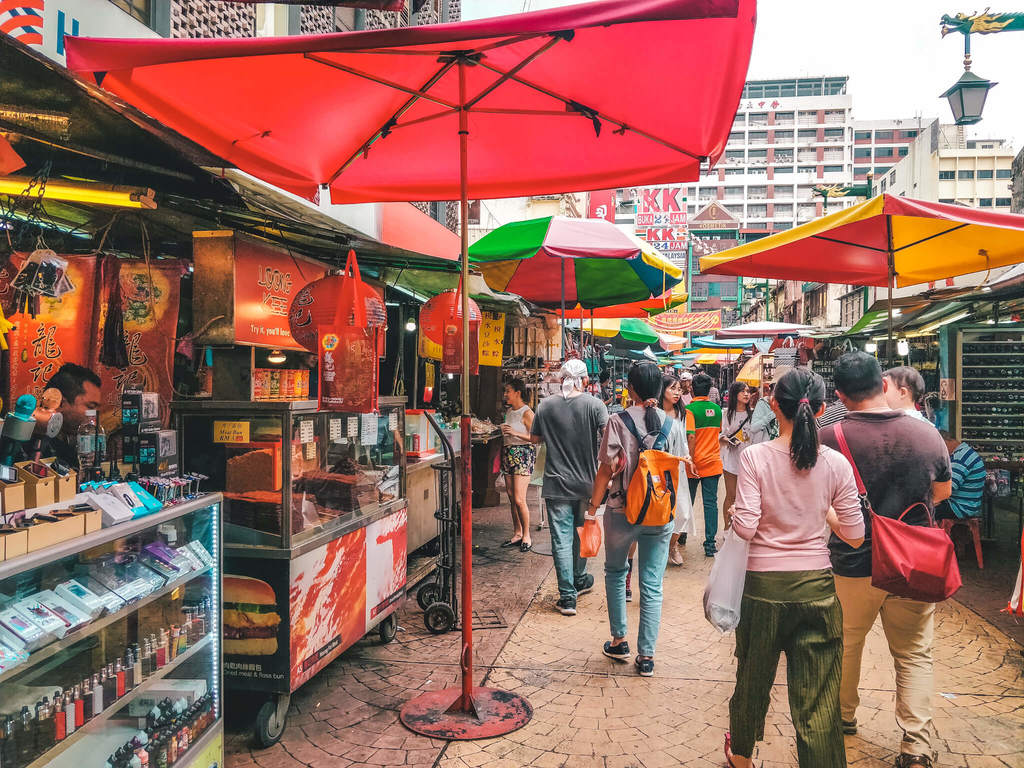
(891, 50)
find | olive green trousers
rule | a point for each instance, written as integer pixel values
(796, 613)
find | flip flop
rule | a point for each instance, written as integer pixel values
(728, 752)
(512, 543)
(524, 547)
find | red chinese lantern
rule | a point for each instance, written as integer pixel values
(335, 298)
(441, 323)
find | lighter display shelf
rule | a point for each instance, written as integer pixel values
(94, 627)
(47, 757)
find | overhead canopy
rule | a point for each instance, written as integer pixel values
(567, 99)
(729, 343)
(557, 260)
(637, 309)
(762, 328)
(926, 241)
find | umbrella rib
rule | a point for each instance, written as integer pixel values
(515, 70)
(390, 123)
(380, 80)
(847, 242)
(926, 239)
(574, 105)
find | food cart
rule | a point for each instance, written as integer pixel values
(315, 524)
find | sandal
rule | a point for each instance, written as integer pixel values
(524, 547)
(512, 543)
(729, 755)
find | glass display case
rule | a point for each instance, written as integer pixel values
(110, 646)
(990, 392)
(291, 473)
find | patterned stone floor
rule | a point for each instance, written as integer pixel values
(590, 711)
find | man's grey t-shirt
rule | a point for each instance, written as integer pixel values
(571, 431)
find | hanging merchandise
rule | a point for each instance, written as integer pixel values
(317, 305)
(441, 326)
(347, 342)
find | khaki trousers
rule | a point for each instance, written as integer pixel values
(909, 628)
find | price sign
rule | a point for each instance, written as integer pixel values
(310, 449)
(231, 432)
(334, 430)
(393, 420)
(492, 338)
(367, 429)
(306, 431)
(353, 426)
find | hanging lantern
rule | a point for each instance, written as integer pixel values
(345, 319)
(319, 303)
(441, 324)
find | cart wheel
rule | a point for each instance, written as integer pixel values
(439, 618)
(270, 721)
(388, 628)
(427, 595)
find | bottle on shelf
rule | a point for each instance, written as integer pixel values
(136, 665)
(119, 689)
(92, 446)
(97, 693)
(69, 712)
(60, 717)
(79, 708)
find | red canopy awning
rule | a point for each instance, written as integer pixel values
(605, 94)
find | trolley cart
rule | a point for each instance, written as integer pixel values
(438, 597)
(315, 523)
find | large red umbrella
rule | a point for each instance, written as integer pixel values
(593, 96)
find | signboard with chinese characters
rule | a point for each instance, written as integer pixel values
(661, 218)
(601, 205)
(492, 338)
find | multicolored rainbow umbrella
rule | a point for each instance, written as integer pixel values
(557, 261)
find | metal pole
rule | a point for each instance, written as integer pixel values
(466, 659)
(563, 306)
(689, 279)
(892, 279)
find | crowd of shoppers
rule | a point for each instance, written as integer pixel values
(787, 483)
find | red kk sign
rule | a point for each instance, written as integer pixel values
(661, 217)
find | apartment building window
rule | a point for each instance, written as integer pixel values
(881, 171)
(699, 292)
(758, 118)
(757, 171)
(882, 185)
(1004, 173)
(734, 193)
(807, 169)
(735, 171)
(735, 210)
(947, 200)
(783, 210)
(706, 195)
(783, 118)
(728, 291)
(757, 211)
(757, 193)
(783, 136)
(947, 175)
(784, 168)
(908, 134)
(807, 133)
(757, 156)
(783, 155)
(835, 115)
(860, 172)
(734, 155)
(833, 169)
(805, 192)
(806, 211)
(884, 135)
(984, 202)
(137, 9)
(885, 152)
(862, 135)
(903, 151)
(807, 117)
(757, 137)
(965, 175)
(862, 153)
(778, 226)
(1002, 202)
(833, 153)
(985, 174)
(834, 133)
(736, 136)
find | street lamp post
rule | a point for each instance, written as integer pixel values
(967, 95)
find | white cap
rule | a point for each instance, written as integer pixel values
(686, 376)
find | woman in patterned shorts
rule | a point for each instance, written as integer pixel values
(518, 457)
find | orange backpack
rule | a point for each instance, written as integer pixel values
(651, 495)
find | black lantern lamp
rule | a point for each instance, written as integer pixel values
(967, 97)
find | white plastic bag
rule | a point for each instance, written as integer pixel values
(724, 591)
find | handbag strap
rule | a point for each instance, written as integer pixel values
(742, 425)
(844, 447)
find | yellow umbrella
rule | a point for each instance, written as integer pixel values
(750, 373)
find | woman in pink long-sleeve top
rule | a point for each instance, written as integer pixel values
(789, 493)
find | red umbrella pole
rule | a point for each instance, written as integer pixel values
(466, 712)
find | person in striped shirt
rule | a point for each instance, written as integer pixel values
(968, 481)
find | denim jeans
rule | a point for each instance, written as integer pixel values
(563, 519)
(709, 494)
(652, 552)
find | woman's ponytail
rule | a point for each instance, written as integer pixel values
(645, 379)
(799, 395)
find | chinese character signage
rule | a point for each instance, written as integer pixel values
(492, 338)
(661, 218)
(601, 205)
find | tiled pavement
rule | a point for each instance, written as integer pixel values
(590, 711)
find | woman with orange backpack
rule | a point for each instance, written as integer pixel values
(640, 454)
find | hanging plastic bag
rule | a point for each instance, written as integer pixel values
(724, 592)
(590, 537)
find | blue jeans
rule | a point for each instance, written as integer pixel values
(709, 493)
(563, 519)
(652, 552)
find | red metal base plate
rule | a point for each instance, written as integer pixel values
(497, 713)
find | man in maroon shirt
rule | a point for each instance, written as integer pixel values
(902, 461)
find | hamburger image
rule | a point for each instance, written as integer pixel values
(250, 617)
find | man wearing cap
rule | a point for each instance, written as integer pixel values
(686, 383)
(569, 424)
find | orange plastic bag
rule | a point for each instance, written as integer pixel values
(590, 538)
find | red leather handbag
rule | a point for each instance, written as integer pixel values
(912, 561)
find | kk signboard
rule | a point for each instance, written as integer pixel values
(661, 218)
